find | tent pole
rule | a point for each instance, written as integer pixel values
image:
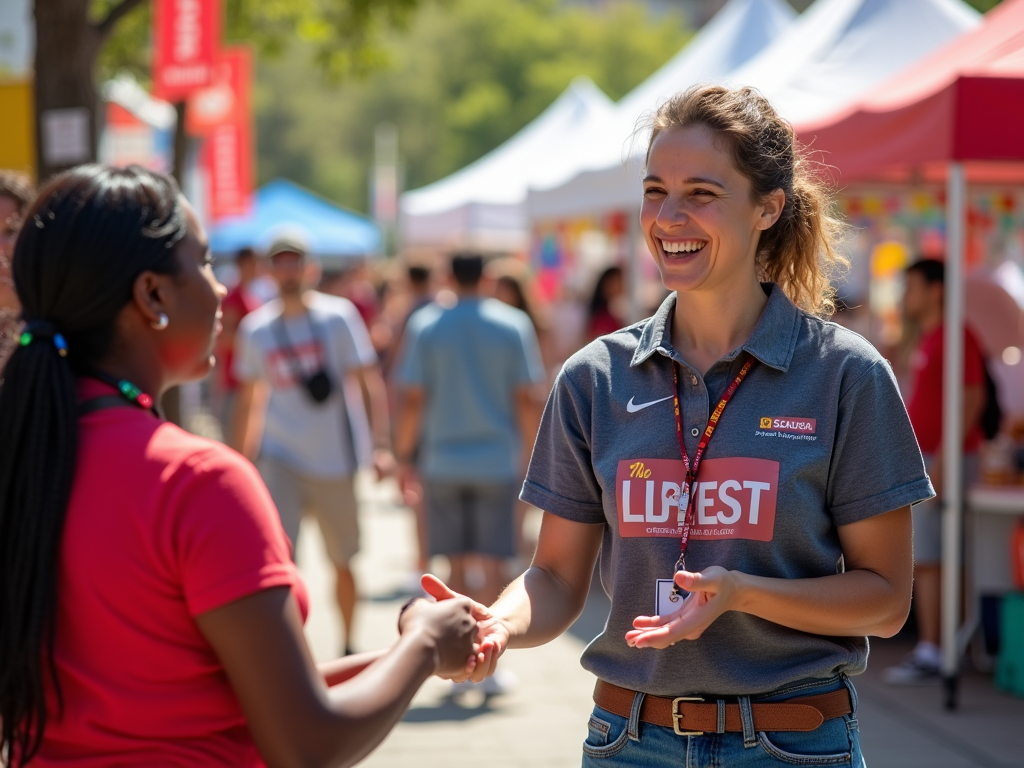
(633, 267)
(952, 416)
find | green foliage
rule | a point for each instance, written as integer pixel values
(343, 36)
(984, 5)
(465, 76)
(128, 48)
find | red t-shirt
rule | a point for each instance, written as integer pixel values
(925, 403)
(240, 302)
(162, 526)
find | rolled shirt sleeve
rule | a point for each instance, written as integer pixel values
(876, 463)
(562, 458)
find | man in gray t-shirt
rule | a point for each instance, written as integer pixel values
(309, 373)
(467, 378)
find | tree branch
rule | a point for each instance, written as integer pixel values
(118, 12)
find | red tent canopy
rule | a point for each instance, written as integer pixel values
(964, 103)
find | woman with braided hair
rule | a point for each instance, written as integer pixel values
(150, 613)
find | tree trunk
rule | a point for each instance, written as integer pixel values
(67, 45)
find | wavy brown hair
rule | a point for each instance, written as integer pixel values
(799, 251)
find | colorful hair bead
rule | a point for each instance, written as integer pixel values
(60, 344)
(129, 390)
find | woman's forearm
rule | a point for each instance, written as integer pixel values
(339, 670)
(543, 602)
(858, 602)
(537, 607)
(374, 701)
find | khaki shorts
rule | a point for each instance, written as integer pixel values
(332, 500)
(471, 517)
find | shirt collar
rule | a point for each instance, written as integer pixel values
(773, 341)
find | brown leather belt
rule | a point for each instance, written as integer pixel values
(694, 716)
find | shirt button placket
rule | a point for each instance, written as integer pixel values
(695, 409)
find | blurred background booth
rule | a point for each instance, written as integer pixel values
(941, 146)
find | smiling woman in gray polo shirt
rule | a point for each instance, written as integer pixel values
(791, 531)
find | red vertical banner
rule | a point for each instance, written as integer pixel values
(186, 34)
(228, 147)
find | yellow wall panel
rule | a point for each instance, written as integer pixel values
(17, 127)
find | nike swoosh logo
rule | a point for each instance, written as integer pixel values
(634, 407)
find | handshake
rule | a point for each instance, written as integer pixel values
(466, 638)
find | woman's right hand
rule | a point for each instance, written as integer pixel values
(452, 629)
(492, 634)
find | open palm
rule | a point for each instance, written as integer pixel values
(710, 591)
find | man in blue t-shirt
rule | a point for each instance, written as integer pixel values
(467, 397)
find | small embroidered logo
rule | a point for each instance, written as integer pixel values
(793, 424)
(632, 407)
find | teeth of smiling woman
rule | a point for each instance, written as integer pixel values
(687, 246)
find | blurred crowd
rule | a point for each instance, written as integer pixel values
(448, 406)
(453, 357)
(387, 292)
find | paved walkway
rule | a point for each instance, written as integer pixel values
(543, 721)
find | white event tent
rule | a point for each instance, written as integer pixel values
(481, 205)
(835, 52)
(738, 32)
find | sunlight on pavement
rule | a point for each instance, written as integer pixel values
(540, 723)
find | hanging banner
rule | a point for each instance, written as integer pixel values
(186, 34)
(211, 106)
(228, 148)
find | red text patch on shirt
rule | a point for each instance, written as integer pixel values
(795, 424)
(306, 357)
(735, 498)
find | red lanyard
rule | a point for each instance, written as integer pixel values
(686, 502)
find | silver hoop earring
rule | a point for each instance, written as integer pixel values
(161, 323)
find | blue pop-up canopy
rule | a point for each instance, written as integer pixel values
(281, 207)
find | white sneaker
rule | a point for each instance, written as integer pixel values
(500, 683)
(913, 670)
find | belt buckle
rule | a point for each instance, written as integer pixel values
(676, 717)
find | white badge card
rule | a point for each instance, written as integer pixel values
(665, 603)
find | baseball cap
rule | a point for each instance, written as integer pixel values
(288, 242)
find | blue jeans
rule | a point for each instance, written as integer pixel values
(619, 742)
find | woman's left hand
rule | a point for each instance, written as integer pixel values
(712, 593)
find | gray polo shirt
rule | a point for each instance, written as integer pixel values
(816, 437)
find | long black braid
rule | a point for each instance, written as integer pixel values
(87, 237)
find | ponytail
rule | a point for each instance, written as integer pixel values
(799, 251)
(38, 440)
(85, 240)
